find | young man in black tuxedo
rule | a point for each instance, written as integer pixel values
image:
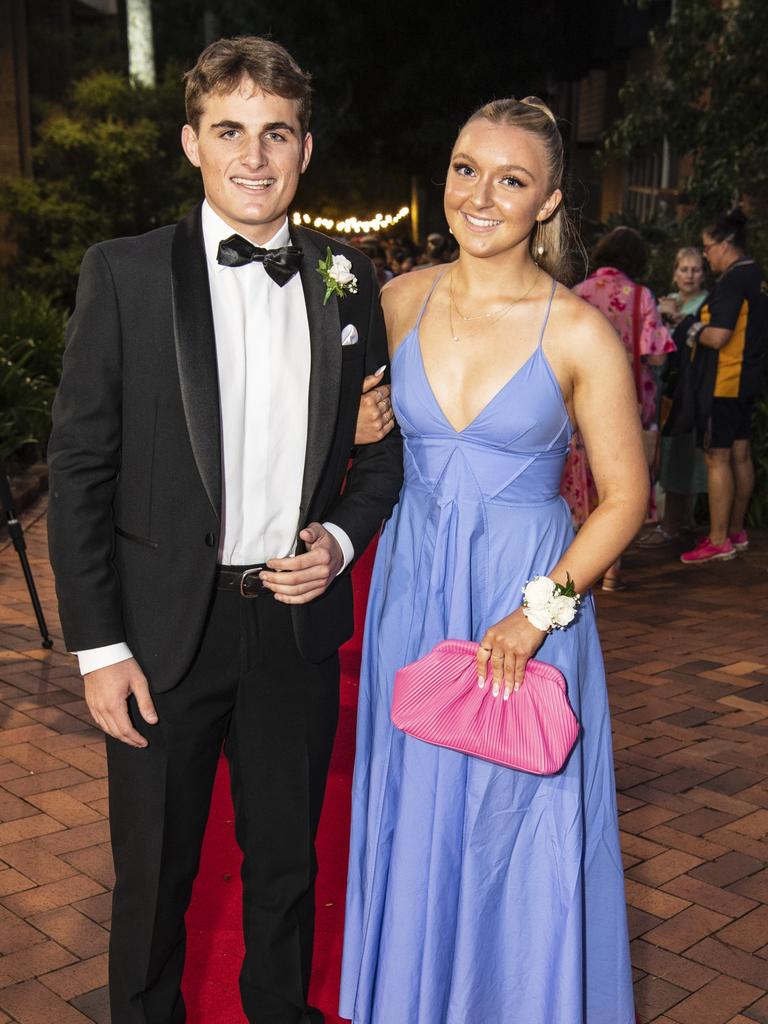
(202, 524)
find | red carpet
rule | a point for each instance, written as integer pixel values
(215, 943)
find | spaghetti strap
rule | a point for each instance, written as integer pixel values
(425, 303)
(546, 314)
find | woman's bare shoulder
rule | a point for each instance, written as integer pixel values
(402, 299)
(578, 332)
(411, 287)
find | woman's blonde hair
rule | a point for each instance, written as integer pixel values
(557, 235)
(688, 252)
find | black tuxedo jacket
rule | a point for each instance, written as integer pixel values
(135, 452)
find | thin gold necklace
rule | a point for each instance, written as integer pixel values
(489, 318)
(486, 323)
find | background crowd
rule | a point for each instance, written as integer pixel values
(393, 256)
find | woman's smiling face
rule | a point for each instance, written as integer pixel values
(498, 185)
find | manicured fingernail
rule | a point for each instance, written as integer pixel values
(506, 693)
(517, 687)
(481, 682)
(495, 690)
(151, 717)
(381, 369)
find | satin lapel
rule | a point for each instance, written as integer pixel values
(325, 374)
(196, 352)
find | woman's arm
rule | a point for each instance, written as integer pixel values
(655, 339)
(714, 337)
(591, 364)
(605, 408)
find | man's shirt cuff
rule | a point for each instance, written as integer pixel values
(101, 657)
(344, 542)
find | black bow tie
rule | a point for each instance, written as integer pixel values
(280, 264)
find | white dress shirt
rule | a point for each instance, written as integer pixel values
(264, 360)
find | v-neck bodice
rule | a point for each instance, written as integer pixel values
(514, 448)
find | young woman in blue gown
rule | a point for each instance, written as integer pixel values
(479, 894)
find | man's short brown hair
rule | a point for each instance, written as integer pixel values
(222, 66)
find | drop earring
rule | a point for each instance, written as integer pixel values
(538, 244)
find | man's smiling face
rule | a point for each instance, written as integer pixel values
(251, 152)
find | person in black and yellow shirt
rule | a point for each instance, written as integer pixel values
(734, 322)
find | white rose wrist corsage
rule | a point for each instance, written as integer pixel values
(548, 605)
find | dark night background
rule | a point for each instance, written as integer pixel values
(393, 81)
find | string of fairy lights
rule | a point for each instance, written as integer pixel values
(353, 225)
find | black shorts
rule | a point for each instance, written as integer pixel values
(731, 420)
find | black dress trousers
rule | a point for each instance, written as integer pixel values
(275, 714)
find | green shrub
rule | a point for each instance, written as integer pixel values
(25, 400)
(31, 344)
(32, 317)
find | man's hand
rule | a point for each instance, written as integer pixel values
(375, 418)
(107, 691)
(302, 578)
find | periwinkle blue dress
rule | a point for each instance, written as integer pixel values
(479, 894)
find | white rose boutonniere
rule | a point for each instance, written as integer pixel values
(336, 272)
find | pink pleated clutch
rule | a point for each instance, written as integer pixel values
(437, 699)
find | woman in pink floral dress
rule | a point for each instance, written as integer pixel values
(620, 258)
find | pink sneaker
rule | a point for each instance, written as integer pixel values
(706, 551)
(740, 540)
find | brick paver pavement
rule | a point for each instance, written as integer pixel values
(687, 654)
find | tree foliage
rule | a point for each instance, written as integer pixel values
(107, 163)
(707, 92)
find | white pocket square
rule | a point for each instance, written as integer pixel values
(349, 335)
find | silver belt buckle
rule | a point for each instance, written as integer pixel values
(243, 578)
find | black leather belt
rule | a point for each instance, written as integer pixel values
(244, 579)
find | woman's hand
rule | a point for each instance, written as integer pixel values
(669, 309)
(508, 645)
(375, 418)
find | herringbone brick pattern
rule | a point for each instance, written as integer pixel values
(687, 654)
(55, 863)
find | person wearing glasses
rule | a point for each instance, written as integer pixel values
(733, 322)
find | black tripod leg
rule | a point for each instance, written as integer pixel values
(17, 539)
(46, 640)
